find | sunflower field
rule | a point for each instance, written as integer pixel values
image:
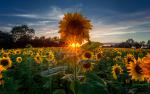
(61, 70)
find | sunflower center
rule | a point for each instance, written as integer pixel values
(75, 24)
(4, 62)
(138, 69)
(87, 55)
(117, 70)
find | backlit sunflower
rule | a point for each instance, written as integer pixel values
(116, 70)
(129, 58)
(38, 59)
(146, 67)
(87, 55)
(19, 59)
(74, 27)
(135, 70)
(6, 62)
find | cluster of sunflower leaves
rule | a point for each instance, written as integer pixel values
(30, 77)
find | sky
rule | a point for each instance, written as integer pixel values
(112, 20)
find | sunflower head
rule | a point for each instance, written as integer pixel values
(50, 56)
(19, 59)
(146, 67)
(18, 52)
(117, 58)
(116, 70)
(98, 56)
(5, 55)
(87, 55)
(135, 70)
(87, 66)
(129, 58)
(6, 62)
(38, 59)
(74, 25)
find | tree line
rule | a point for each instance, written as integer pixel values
(130, 43)
(23, 36)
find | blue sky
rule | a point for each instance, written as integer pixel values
(113, 20)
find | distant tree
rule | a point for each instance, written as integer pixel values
(5, 40)
(148, 43)
(22, 32)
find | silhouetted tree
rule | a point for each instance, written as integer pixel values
(5, 40)
(23, 31)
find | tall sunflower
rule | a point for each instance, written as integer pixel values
(135, 70)
(74, 27)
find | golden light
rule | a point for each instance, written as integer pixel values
(75, 45)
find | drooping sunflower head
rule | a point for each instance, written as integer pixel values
(19, 59)
(136, 71)
(87, 55)
(6, 62)
(74, 24)
(116, 70)
(129, 58)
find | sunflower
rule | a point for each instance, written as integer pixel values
(116, 70)
(87, 55)
(74, 25)
(38, 59)
(117, 58)
(6, 62)
(135, 70)
(19, 59)
(98, 56)
(129, 58)
(5, 55)
(17, 51)
(87, 66)
(50, 56)
(146, 67)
